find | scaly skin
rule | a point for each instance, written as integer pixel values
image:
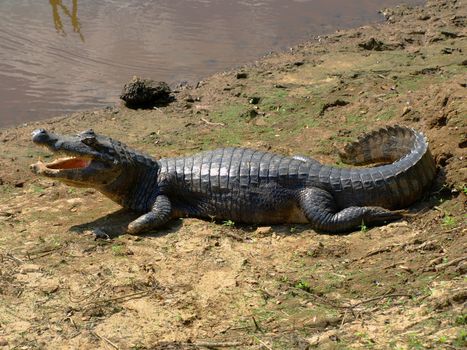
(250, 186)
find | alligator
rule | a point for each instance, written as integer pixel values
(250, 186)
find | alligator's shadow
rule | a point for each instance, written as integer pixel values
(115, 224)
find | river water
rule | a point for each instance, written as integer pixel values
(59, 56)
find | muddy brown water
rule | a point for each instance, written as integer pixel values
(60, 56)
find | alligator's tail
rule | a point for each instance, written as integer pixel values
(411, 169)
(385, 145)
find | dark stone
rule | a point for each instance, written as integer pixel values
(146, 93)
(336, 103)
(447, 50)
(377, 45)
(372, 44)
(449, 34)
(19, 183)
(251, 113)
(242, 75)
(254, 100)
(429, 70)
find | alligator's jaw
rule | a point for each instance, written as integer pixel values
(60, 166)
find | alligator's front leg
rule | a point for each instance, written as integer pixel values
(159, 215)
(322, 212)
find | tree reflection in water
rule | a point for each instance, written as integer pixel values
(73, 15)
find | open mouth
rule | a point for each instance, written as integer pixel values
(66, 163)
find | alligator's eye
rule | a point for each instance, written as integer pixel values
(89, 140)
(88, 137)
(88, 133)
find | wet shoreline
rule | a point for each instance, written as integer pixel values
(70, 56)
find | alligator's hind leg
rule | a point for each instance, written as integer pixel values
(322, 212)
(159, 215)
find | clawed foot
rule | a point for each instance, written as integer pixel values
(100, 234)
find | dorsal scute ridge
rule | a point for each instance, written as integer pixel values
(383, 145)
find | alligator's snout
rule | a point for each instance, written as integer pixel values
(40, 135)
(43, 137)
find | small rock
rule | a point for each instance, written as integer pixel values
(254, 100)
(3, 342)
(28, 268)
(242, 75)
(323, 337)
(19, 183)
(49, 286)
(280, 86)
(264, 230)
(406, 110)
(373, 44)
(251, 113)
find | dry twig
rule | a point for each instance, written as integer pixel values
(14, 258)
(378, 298)
(263, 343)
(216, 344)
(126, 297)
(104, 339)
(450, 263)
(212, 123)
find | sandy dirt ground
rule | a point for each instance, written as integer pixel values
(204, 285)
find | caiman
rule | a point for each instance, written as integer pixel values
(250, 186)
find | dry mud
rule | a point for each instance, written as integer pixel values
(203, 285)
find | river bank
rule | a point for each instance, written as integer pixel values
(397, 286)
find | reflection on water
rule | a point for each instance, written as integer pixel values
(73, 15)
(47, 68)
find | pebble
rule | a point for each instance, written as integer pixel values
(265, 230)
(28, 268)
